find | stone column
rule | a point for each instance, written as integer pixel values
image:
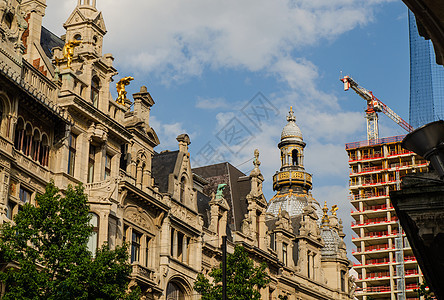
(175, 244)
(139, 175)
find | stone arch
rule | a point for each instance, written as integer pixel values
(5, 114)
(178, 288)
(140, 217)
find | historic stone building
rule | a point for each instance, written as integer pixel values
(59, 122)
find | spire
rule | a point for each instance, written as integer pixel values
(291, 117)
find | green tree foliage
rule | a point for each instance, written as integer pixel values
(243, 279)
(48, 242)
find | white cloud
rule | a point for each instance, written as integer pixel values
(211, 103)
(167, 133)
(176, 39)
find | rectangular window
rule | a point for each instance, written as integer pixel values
(284, 254)
(180, 246)
(272, 241)
(107, 166)
(24, 195)
(71, 153)
(343, 281)
(172, 242)
(91, 162)
(10, 209)
(308, 264)
(135, 246)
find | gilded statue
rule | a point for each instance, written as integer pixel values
(121, 89)
(334, 208)
(68, 51)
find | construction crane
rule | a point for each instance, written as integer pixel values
(374, 105)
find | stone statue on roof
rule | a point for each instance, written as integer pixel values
(220, 190)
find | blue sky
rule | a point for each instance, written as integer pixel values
(204, 62)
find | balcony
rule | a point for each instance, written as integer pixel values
(373, 208)
(30, 165)
(366, 170)
(399, 152)
(374, 289)
(366, 196)
(142, 272)
(375, 275)
(374, 221)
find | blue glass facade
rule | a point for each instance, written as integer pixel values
(426, 80)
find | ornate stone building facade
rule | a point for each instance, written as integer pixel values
(59, 122)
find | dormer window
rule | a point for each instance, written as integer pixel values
(95, 89)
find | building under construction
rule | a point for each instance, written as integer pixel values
(387, 268)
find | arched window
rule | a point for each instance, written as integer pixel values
(95, 89)
(44, 151)
(294, 156)
(18, 134)
(93, 240)
(78, 37)
(182, 189)
(27, 140)
(175, 292)
(35, 146)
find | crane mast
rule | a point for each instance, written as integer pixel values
(374, 105)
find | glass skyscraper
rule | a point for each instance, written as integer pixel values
(426, 80)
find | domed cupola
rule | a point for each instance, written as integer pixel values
(292, 182)
(291, 131)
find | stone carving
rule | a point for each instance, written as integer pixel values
(246, 226)
(184, 215)
(283, 221)
(101, 191)
(139, 217)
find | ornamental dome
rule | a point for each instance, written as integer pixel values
(291, 130)
(293, 203)
(331, 240)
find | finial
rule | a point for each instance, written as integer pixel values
(325, 219)
(291, 117)
(256, 161)
(334, 208)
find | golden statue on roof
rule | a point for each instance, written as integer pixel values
(68, 51)
(121, 89)
(333, 210)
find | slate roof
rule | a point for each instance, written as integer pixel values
(238, 186)
(49, 40)
(162, 166)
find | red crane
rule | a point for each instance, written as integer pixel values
(374, 105)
